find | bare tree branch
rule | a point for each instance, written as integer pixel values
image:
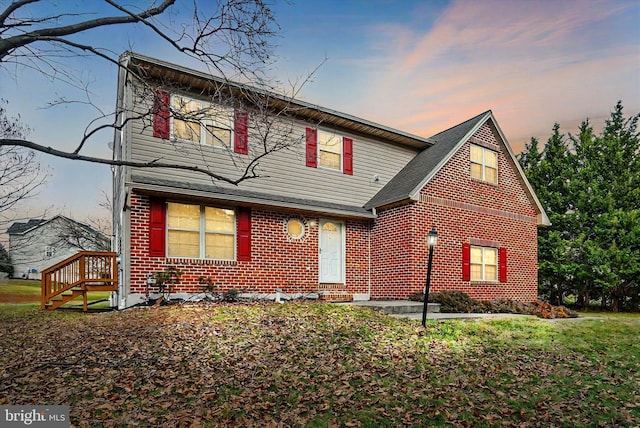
(8, 45)
(230, 36)
(21, 176)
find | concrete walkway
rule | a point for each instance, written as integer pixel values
(413, 310)
(443, 316)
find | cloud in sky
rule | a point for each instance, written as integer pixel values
(533, 63)
(413, 65)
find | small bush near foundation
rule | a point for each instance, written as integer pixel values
(452, 301)
(231, 295)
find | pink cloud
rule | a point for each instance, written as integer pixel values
(532, 63)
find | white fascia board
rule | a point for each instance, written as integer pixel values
(543, 219)
(415, 193)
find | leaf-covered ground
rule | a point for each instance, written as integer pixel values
(319, 365)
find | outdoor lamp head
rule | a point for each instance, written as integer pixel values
(432, 238)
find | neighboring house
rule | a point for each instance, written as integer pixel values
(38, 243)
(343, 211)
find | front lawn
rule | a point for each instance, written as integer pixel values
(27, 293)
(312, 364)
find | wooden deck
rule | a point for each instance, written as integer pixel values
(76, 276)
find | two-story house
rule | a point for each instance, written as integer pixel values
(342, 206)
(37, 244)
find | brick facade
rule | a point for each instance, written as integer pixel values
(462, 210)
(276, 260)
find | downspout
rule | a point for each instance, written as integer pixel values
(373, 211)
(369, 257)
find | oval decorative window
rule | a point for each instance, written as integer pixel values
(295, 228)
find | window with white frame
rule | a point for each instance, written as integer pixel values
(330, 148)
(199, 231)
(201, 122)
(484, 264)
(484, 164)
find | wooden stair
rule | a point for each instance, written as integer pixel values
(74, 277)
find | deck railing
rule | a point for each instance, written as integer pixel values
(82, 272)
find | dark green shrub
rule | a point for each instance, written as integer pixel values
(5, 261)
(231, 295)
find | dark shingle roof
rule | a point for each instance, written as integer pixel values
(18, 227)
(401, 186)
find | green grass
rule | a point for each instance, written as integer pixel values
(20, 286)
(26, 294)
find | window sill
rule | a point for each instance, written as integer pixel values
(207, 262)
(477, 180)
(173, 139)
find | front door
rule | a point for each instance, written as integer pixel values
(331, 251)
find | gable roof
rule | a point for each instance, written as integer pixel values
(153, 68)
(424, 165)
(18, 228)
(408, 183)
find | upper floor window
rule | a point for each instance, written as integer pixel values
(201, 122)
(484, 164)
(49, 252)
(199, 231)
(328, 150)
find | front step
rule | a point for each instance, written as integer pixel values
(76, 292)
(65, 298)
(335, 296)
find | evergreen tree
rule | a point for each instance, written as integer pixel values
(607, 197)
(549, 173)
(5, 261)
(591, 192)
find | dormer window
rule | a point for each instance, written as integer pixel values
(484, 164)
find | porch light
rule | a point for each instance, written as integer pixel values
(432, 241)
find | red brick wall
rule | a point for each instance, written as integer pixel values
(276, 261)
(463, 211)
(391, 265)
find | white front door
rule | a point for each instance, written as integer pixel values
(331, 251)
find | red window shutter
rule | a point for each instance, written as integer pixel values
(241, 132)
(347, 151)
(161, 113)
(157, 222)
(244, 234)
(312, 147)
(502, 264)
(466, 262)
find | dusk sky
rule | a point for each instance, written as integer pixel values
(418, 66)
